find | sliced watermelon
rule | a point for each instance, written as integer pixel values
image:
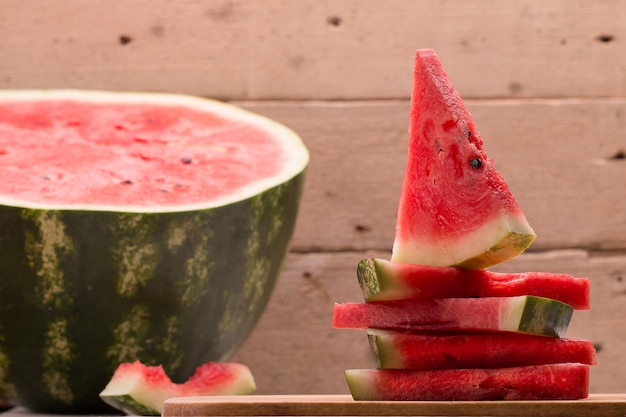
(526, 314)
(428, 351)
(381, 279)
(138, 389)
(568, 381)
(455, 208)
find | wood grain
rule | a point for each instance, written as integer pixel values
(605, 405)
(314, 49)
(545, 82)
(561, 158)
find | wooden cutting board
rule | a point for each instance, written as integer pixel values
(600, 405)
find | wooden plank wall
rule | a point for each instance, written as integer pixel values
(544, 80)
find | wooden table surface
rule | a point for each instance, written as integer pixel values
(605, 405)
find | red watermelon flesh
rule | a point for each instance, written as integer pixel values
(381, 279)
(526, 314)
(138, 389)
(179, 151)
(429, 351)
(568, 381)
(455, 208)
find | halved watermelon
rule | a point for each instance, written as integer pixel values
(381, 279)
(455, 208)
(135, 226)
(564, 381)
(138, 389)
(428, 351)
(525, 314)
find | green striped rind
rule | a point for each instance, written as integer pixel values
(535, 315)
(129, 405)
(527, 314)
(368, 276)
(509, 247)
(384, 351)
(7, 391)
(375, 275)
(545, 316)
(497, 239)
(378, 349)
(135, 391)
(93, 289)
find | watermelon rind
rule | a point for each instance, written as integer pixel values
(381, 280)
(508, 247)
(542, 314)
(86, 288)
(536, 315)
(130, 405)
(296, 155)
(137, 392)
(372, 274)
(524, 314)
(7, 390)
(497, 240)
(452, 350)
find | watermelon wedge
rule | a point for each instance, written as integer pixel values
(454, 208)
(566, 381)
(138, 389)
(430, 351)
(381, 279)
(525, 314)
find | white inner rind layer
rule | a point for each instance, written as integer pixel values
(457, 249)
(133, 387)
(295, 162)
(511, 312)
(125, 392)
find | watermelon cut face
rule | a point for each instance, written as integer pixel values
(565, 381)
(138, 152)
(455, 208)
(137, 389)
(382, 280)
(147, 227)
(524, 314)
(432, 351)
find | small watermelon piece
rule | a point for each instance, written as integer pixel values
(429, 351)
(525, 314)
(565, 381)
(381, 279)
(455, 208)
(138, 389)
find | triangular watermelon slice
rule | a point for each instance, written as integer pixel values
(455, 208)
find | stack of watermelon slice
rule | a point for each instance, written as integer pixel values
(440, 325)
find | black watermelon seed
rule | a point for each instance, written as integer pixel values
(186, 160)
(475, 163)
